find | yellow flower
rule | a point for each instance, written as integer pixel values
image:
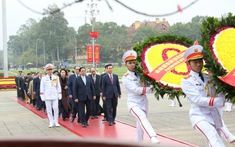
(8, 82)
(157, 54)
(224, 48)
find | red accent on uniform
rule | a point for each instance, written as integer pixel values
(140, 121)
(41, 93)
(224, 134)
(203, 133)
(131, 57)
(211, 102)
(60, 92)
(144, 90)
(194, 55)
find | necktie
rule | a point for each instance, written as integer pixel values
(50, 77)
(111, 78)
(201, 76)
(136, 74)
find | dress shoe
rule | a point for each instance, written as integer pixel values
(92, 117)
(84, 125)
(72, 119)
(231, 139)
(110, 123)
(57, 125)
(114, 122)
(228, 110)
(104, 119)
(64, 119)
(50, 126)
(154, 140)
(96, 117)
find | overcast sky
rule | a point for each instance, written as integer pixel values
(75, 14)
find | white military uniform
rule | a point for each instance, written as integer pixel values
(137, 103)
(50, 92)
(206, 110)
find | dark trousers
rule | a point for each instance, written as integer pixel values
(84, 116)
(111, 108)
(104, 108)
(95, 106)
(75, 108)
(62, 110)
(34, 102)
(39, 103)
(18, 93)
(22, 96)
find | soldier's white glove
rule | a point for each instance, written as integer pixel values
(219, 102)
(60, 96)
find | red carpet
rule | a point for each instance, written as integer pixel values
(33, 109)
(99, 129)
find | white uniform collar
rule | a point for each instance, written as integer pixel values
(193, 73)
(49, 76)
(195, 76)
(130, 72)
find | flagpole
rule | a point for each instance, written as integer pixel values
(4, 38)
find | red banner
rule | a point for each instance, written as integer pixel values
(167, 66)
(229, 78)
(90, 53)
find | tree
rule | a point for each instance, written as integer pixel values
(190, 29)
(112, 40)
(143, 33)
(51, 32)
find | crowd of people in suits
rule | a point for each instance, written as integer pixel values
(80, 91)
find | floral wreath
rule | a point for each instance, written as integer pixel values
(218, 37)
(155, 51)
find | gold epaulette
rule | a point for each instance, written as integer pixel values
(126, 74)
(188, 76)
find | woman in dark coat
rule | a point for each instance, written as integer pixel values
(64, 102)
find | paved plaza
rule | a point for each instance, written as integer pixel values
(15, 120)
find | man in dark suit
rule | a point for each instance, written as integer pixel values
(111, 91)
(84, 93)
(21, 86)
(36, 89)
(104, 102)
(70, 93)
(96, 83)
(17, 84)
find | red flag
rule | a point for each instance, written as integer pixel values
(229, 78)
(89, 52)
(196, 42)
(93, 34)
(179, 8)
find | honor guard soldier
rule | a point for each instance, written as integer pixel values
(50, 92)
(206, 107)
(137, 101)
